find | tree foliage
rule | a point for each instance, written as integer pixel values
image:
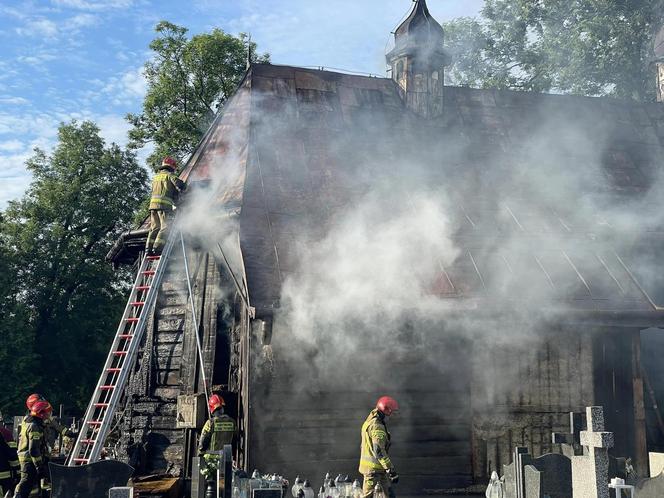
(59, 298)
(587, 47)
(188, 80)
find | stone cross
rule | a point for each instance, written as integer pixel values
(590, 472)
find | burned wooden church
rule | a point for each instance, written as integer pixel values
(487, 257)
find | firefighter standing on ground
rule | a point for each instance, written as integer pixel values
(165, 188)
(218, 431)
(30, 446)
(52, 428)
(9, 467)
(375, 463)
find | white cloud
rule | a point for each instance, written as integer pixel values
(79, 21)
(126, 90)
(38, 28)
(11, 145)
(13, 100)
(94, 5)
(37, 59)
(114, 128)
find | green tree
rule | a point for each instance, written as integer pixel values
(67, 297)
(586, 47)
(188, 80)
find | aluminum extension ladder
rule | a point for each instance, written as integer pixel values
(121, 358)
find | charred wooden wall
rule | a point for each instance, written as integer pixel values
(307, 422)
(168, 366)
(523, 390)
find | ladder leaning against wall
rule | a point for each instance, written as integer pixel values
(121, 358)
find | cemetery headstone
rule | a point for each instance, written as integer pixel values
(553, 471)
(590, 472)
(532, 479)
(656, 461)
(124, 492)
(88, 481)
(650, 488)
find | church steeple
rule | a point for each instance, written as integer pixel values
(418, 60)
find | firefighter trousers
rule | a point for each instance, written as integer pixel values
(29, 485)
(159, 224)
(373, 478)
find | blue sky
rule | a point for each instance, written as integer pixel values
(82, 59)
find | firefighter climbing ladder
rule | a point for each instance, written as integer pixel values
(121, 358)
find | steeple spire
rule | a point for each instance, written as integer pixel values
(418, 60)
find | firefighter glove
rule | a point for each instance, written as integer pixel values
(394, 477)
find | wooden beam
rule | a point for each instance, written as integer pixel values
(640, 438)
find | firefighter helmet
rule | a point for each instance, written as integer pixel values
(32, 399)
(387, 405)
(215, 402)
(41, 409)
(169, 162)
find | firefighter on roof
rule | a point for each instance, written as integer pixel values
(219, 430)
(30, 446)
(165, 188)
(375, 463)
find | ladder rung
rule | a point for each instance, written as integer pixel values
(126, 336)
(153, 258)
(106, 388)
(138, 303)
(120, 353)
(88, 441)
(142, 287)
(81, 460)
(133, 319)
(114, 370)
(148, 272)
(95, 422)
(101, 405)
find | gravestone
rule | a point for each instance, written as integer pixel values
(650, 488)
(549, 475)
(510, 480)
(656, 461)
(532, 480)
(124, 492)
(590, 472)
(88, 481)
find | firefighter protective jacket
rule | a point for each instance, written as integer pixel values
(165, 188)
(31, 441)
(218, 431)
(9, 450)
(375, 445)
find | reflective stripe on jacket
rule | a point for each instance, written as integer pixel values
(375, 445)
(30, 440)
(218, 431)
(165, 187)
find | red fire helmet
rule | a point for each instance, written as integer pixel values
(387, 405)
(215, 402)
(32, 399)
(41, 409)
(169, 161)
